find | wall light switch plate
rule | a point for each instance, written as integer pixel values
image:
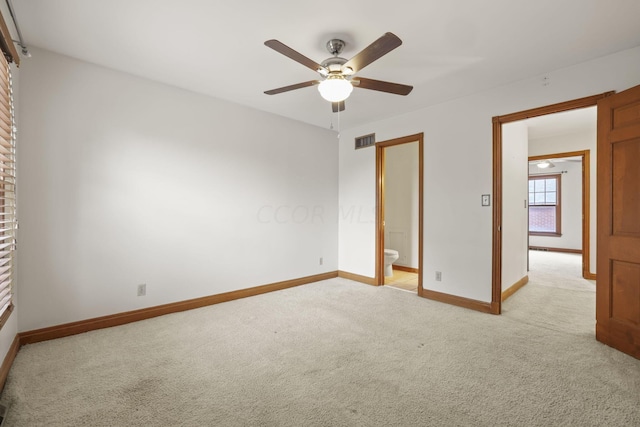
(486, 200)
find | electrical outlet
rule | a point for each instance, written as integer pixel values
(142, 289)
(438, 276)
(321, 260)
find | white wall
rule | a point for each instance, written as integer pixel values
(515, 228)
(576, 142)
(401, 202)
(458, 137)
(125, 181)
(570, 205)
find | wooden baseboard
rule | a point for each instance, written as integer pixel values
(357, 278)
(87, 325)
(547, 249)
(514, 288)
(484, 307)
(590, 276)
(8, 361)
(407, 269)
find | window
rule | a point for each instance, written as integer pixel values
(544, 205)
(8, 223)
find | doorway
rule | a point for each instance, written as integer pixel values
(497, 280)
(404, 231)
(573, 209)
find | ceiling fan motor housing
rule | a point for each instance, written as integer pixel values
(334, 64)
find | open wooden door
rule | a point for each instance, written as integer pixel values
(618, 259)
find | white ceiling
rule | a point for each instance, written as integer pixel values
(567, 122)
(451, 48)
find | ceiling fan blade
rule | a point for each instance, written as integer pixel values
(337, 106)
(291, 87)
(375, 50)
(296, 56)
(379, 85)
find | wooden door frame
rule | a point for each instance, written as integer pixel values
(380, 198)
(586, 204)
(498, 121)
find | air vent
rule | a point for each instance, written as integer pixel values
(366, 140)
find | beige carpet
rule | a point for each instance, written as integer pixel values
(569, 306)
(335, 353)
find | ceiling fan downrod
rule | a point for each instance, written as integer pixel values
(335, 46)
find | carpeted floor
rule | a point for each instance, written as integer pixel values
(560, 299)
(336, 353)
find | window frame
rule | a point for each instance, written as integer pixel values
(7, 169)
(558, 205)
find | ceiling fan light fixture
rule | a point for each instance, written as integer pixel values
(335, 88)
(545, 164)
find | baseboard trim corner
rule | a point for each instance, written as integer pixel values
(495, 308)
(357, 278)
(484, 307)
(73, 328)
(514, 288)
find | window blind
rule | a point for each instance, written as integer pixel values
(8, 222)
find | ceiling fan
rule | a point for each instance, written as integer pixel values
(546, 164)
(338, 74)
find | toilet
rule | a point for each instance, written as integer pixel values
(390, 256)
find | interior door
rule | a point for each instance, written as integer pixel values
(618, 260)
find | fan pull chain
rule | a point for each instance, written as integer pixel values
(331, 124)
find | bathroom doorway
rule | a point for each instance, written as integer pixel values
(399, 212)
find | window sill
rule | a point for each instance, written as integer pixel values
(539, 233)
(5, 316)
